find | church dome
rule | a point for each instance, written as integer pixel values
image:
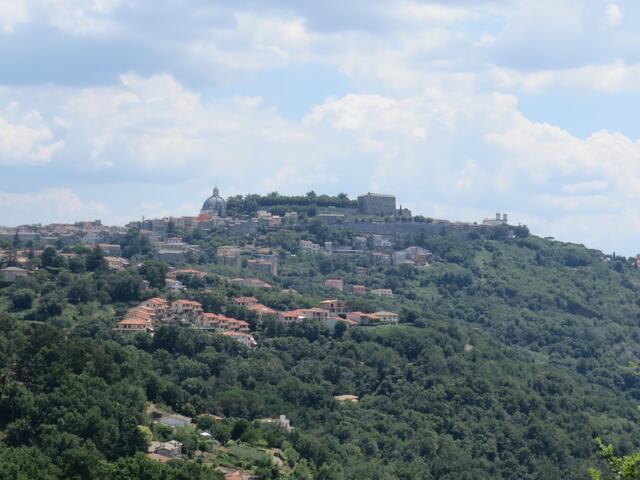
(214, 205)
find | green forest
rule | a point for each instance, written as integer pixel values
(515, 358)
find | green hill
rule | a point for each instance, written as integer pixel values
(512, 354)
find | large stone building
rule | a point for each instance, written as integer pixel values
(377, 204)
(229, 255)
(214, 206)
(11, 274)
(268, 266)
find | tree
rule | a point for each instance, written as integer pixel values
(76, 264)
(48, 257)
(50, 305)
(81, 290)
(521, 231)
(124, 286)
(22, 299)
(135, 244)
(95, 260)
(154, 272)
(626, 467)
(26, 463)
(145, 435)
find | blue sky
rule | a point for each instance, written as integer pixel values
(116, 109)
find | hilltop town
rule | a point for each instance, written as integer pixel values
(380, 233)
(260, 337)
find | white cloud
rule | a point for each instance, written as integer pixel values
(613, 15)
(80, 17)
(12, 13)
(411, 11)
(586, 187)
(607, 78)
(30, 143)
(47, 206)
(253, 42)
(432, 114)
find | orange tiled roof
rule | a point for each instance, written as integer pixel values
(259, 307)
(133, 321)
(158, 301)
(188, 302)
(294, 313)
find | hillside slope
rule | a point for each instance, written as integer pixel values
(511, 356)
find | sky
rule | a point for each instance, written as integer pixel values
(115, 109)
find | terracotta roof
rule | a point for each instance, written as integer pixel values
(347, 321)
(188, 302)
(133, 321)
(258, 307)
(294, 313)
(237, 322)
(158, 301)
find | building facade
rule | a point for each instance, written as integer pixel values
(377, 204)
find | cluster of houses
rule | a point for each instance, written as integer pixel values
(23, 257)
(265, 261)
(56, 234)
(157, 311)
(338, 284)
(376, 248)
(332, 312)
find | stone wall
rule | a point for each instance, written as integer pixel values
(402, 229)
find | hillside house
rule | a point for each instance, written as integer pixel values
(244, 301)
(361, 271)
(229, 255)
(188, 272)
(262, 311)
(112, 249)
(188, 309)
(282, 421)
(334, 307)
(267, 266)
(133, 325)
(174, 285)
(373, 318)
(170, 449)
(221, 323)
(139, 319)
(308, 247)
(381, 292)
(302, 314)
(116, 263)
(159, 307)
(334, 283)
(11, 274)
